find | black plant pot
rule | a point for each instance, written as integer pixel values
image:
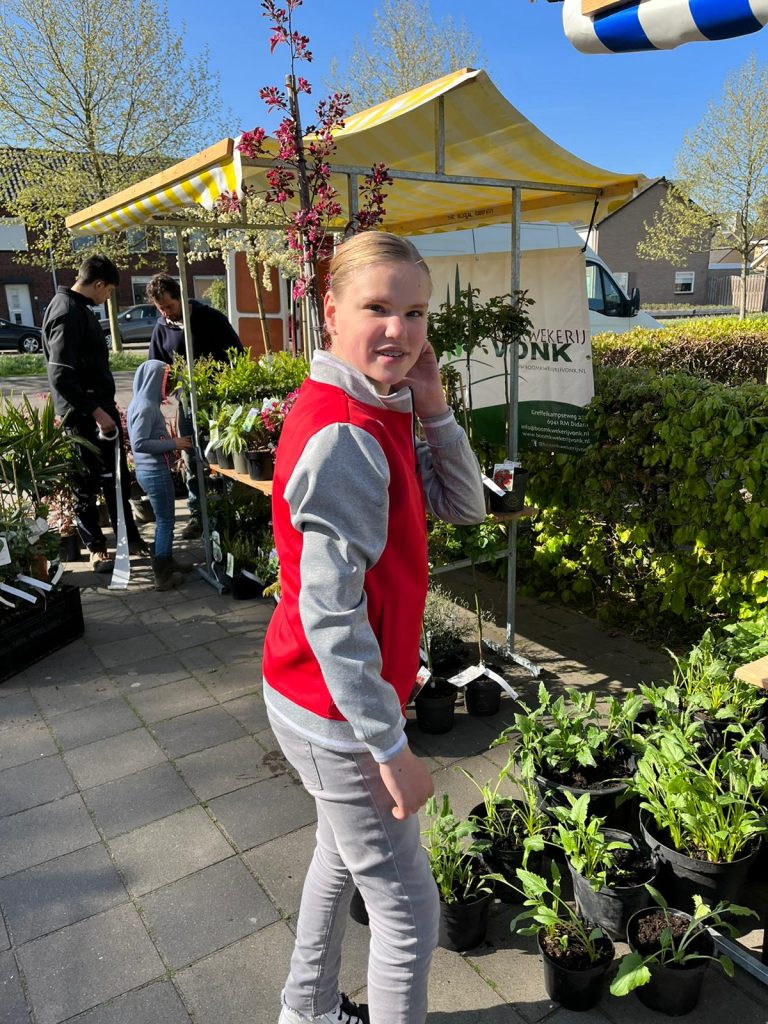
(482, 697)
(575, 989)
(436, 707)
(240, 463)
(602, 802)
(225, 461)
(510, 501)
(244, 589)
(70, 548)
(357, 908)
(261, 465)
(464, 925)
(610, 908)
(681, 876)
(672, 990)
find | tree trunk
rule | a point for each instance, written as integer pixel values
(743, 293)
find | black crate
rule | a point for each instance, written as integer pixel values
(29, 634)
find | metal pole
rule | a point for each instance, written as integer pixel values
(207, 573)
(114, 329)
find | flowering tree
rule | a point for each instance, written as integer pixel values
(299, 172)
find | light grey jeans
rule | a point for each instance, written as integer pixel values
(358, 839)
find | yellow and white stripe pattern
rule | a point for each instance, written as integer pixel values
(201, 180)
(485, 137)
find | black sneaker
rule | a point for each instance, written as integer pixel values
(355, 1011)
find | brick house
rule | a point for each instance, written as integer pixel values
(26, 290)
(615, 238)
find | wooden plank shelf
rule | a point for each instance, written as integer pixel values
(265, 486)
(508, 517)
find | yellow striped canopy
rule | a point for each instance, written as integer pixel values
(484, 137)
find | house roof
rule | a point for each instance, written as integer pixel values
(488, 146)
(644, 187)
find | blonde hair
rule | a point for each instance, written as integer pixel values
(368, 248)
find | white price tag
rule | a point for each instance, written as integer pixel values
(502, 682)
(250, 576)
(249, 420)
(467, 675)
(230, 564)
(487, 482)
(31, 582)
(57, 575)
(15, 592)
(5, 554)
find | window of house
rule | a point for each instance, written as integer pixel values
(81, 242)
(168, 240)
(136, 239)
(138, 289)
(13, 235)
(684, 281)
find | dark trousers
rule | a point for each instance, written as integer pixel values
(96, 475)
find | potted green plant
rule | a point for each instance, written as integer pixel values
(446, 622)
(435, 701)
(670, 951)
(576, 955)
(703, 818)
(513, 829)
(565, 744)
(464, 883)
(609, 867)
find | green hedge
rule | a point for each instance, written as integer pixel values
(723, 349)
(664, 520)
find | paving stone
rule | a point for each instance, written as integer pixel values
(250, 711)
(458, 993)
(145, 600)
(108, 718)
(210, 607)
(227, 767)
(60, 892)
(170, 700)
(241, 677)
(13, 1008)
(196, 731)
(157, 1003)
(200, 662)
(281, 866)
(150, 673)
(263, 811)
(34, 783)
(206, 911)
(468, 737)
(245, 647)
(25, 743)
(192, 633)
(120, 653)
(34, 836)
(242, 983)
(68, 693)
(78, 967)
(113, 758)
(17, 709)
(4, 940)
(168, 849)
(136, 800)
(110, 629)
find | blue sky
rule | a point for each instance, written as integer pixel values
(625, 112)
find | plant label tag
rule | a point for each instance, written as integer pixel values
(250, 576)
(209, 448)
(502, 682)
(36, 529)
(230, 564)
(214, 435)
(216, 547)
(422, 654)
(15, 592)
(467, 675)
(422, 678)
(57, 575)
(504, 475)
(38, 584)
(5, 554)
(250, 419)
(487, 482)
(237, 414)
(8, 604)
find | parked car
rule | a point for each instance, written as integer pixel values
(20, 337)
(136, 324)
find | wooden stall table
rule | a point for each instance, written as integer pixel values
(265, 486)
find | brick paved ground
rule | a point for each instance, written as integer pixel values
(153, 842)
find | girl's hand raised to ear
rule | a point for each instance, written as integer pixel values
(424, 381)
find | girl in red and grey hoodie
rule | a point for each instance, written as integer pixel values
(342, 651)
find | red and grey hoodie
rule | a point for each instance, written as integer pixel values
(348, 504)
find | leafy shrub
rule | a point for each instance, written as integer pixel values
(723, 349)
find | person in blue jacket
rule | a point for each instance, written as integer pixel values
(152, 445)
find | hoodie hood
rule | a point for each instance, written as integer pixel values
(149, 380)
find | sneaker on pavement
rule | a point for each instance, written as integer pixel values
(192, 530)
(101, 562)
(346, 1012)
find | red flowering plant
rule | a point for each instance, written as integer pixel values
(300, 162)
(264, 429)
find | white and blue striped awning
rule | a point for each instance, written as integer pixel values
(658, 24)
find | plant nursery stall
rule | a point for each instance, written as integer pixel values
(460, 155)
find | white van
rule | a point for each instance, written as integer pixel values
(555, 363)
(610, 308)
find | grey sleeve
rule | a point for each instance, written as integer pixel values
(338, 496)
(153, 445)
(453, 485)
